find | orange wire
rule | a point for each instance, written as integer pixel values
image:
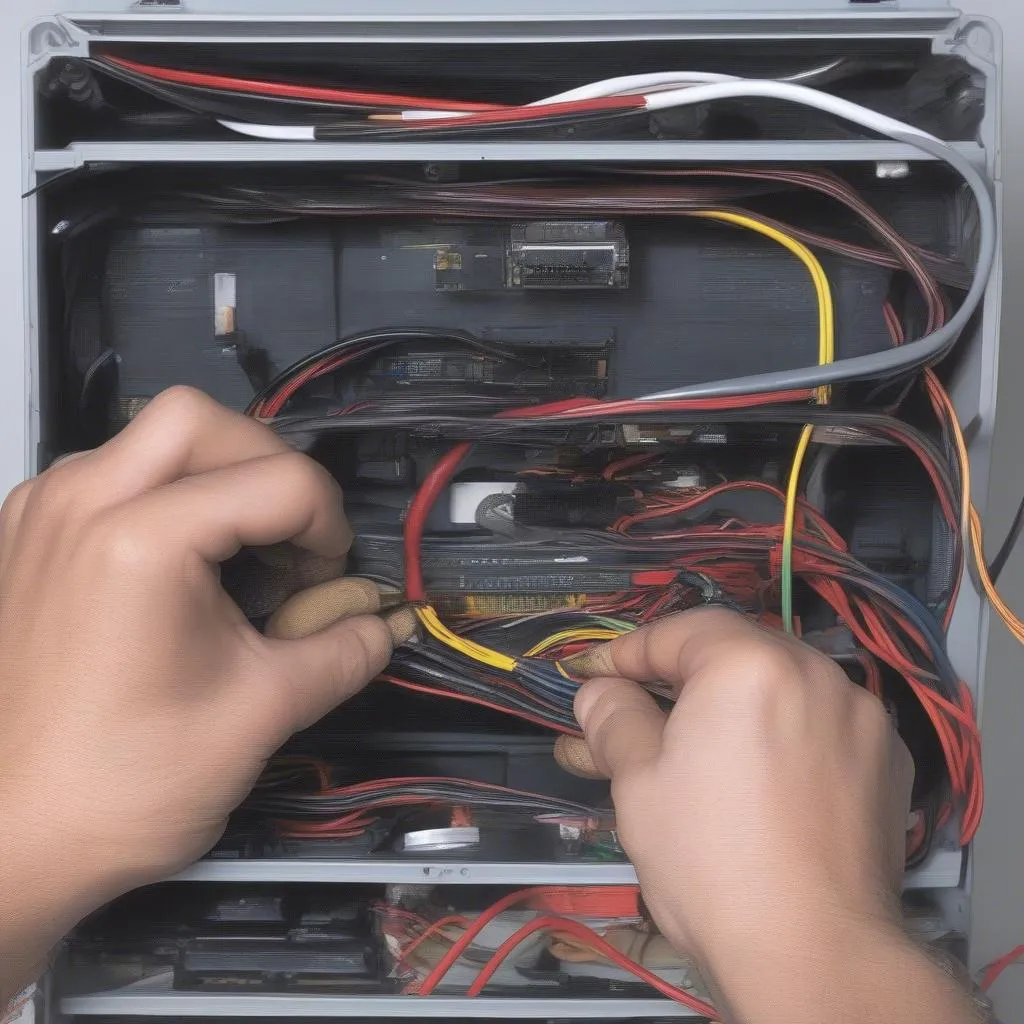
(450, 921)
(600, 945)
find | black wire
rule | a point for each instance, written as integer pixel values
(998, 563)
(594, 122)
(224, 103)
(317, 806)
(444, 669)
(378, 339)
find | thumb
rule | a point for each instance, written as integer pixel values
(622, 724)
(323, 670)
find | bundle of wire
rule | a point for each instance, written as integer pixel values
(542, 691)
(536, 689)
(346, 811)
(273, 399)
(659, 193)
(460, 932)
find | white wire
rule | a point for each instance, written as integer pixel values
(276, 132)
(626, 85)
(706, 88)
(629, 85)
(426, 115)
(746, 88)
(871, 366)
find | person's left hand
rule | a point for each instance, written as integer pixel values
(139, 705)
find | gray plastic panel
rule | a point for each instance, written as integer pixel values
(535, 20)
(155, 997)
(942, 870)
(79, 154)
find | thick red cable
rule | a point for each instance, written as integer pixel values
(517, 115)
(600, 945)
(444, 470)
(439, 478)
(285, 90)
(444, 965)
(997, 967)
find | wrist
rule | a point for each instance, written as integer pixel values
(835, 966)
(49, 878)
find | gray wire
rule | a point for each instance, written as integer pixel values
(909, 356)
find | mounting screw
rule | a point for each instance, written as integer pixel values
(441, 173)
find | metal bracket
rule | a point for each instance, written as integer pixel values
(53, 37)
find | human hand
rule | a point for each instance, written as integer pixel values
(766, 815)
(139, 705)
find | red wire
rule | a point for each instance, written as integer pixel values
(996, 968)
(438, 925)
(438, 480)
(467, 699)
(519, 114)
(284, 90)
(574, 408)
(599, 945)
(419, 511)
(444, 965)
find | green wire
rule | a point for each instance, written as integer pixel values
(789, 527)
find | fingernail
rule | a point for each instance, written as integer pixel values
(586, 664)
(403, 624)
(573, 756)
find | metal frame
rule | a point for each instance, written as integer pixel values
(535, 21)
(80, 154)
(155, 997)
(943, 870)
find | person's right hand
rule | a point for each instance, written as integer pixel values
(767, 812)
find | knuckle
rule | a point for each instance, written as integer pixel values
(14, 505)
(55, 497)
(302, 474)
(181, 404)
(767, 668)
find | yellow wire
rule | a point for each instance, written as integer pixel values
(789, 526)
(477, 652)
(826, 308)
(568, 636)
(826, 354)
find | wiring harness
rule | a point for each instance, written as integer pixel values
(645, 94)
(482, 662)
(331, 810)
(556, 911)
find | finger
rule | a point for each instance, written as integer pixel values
(314, 675)
(319, 607)
(260, 580)
(63, 460)
(253, 504)
(674, 649)
(180, 433)
(573, 755)
(622, 724)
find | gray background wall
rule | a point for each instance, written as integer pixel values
(998, 901)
